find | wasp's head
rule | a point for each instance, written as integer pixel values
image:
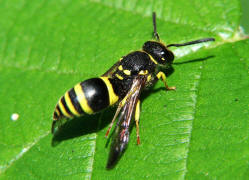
(159, 52)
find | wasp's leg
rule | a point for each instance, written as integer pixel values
(120, 105)
(137, 115)
(162, 77)
(114, 118)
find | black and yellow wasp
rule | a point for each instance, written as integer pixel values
(121, 84)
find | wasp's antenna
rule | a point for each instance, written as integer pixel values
(156, 35)
(192, 42)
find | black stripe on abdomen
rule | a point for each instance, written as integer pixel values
(96, 93)
(75, 102)
(65, 106)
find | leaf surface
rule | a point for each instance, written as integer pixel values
(198, 132)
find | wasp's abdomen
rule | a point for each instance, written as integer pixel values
(87, 97)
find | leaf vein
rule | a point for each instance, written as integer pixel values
(195, 100)
(22, 152)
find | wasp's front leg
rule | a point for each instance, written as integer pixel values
(137, 115)
(162, 77)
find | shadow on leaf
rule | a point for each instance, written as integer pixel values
(83, 125)
(194, 60)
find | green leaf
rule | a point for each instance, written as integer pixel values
(245, 15)
(200, 131)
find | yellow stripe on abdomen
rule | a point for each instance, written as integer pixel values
(63, 110)
(70, 105)
(113, 98)
(82, 99)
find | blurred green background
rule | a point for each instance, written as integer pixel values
(245, 15)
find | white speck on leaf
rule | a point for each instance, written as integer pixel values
(14, 116)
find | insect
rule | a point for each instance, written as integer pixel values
(122, 84)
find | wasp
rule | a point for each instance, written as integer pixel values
(122, 84)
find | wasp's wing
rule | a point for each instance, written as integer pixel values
(112, 69)
(121, 134)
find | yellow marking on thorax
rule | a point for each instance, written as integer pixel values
(163, 59)
(70, 105)
(120, 67)
(63, 110)
(143, 72)
(152, 59)
(82, 99)
(113, 98)
(127, 72)
(148, 78)
(119, 77)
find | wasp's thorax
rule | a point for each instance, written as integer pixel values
(159, 52)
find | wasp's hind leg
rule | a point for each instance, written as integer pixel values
(120, 106)
(114, 118)
(162, 77)
(137, 115)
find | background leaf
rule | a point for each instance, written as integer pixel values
(245, 15)
(200, 131)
